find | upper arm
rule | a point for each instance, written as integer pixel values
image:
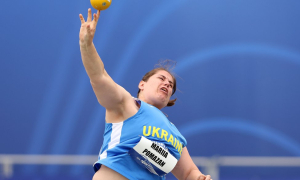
(109, 94)
(184, 166)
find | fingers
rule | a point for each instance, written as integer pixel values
(81, 19)
(95, 21)
(89, 19)
(201, 177)
(98, 13)
(96, 18)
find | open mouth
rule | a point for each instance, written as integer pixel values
(164, 90)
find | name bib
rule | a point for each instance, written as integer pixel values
(153, 156)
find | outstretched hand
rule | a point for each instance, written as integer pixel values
(203, 177)
(88, 27)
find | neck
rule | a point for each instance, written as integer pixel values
(158, 106)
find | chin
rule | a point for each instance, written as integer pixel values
(164, 100)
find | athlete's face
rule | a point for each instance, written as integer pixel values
(158, 89)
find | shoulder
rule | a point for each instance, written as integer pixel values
(125, 110)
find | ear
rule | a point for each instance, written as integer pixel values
(142, 85)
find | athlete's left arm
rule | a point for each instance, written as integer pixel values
(186, 169)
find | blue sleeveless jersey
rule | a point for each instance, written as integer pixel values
(120, 138)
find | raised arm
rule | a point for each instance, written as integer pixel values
(109, 94)
(185, 168)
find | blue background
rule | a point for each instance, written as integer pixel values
(238, 68)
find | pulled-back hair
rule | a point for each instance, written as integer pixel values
(165, 65)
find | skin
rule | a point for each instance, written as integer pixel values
(119, 103)
(151, 91)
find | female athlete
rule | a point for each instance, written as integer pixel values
(139, 141)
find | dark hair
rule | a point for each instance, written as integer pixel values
(166, 65)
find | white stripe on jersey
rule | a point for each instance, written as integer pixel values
(114, 138)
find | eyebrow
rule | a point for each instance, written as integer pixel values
(166, 78)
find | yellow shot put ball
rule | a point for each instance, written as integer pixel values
(100, 4)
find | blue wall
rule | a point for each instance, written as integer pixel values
(238, 64)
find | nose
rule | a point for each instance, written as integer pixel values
(167, 83)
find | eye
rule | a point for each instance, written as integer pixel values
(161, 78)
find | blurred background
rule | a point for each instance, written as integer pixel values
(238, 75)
